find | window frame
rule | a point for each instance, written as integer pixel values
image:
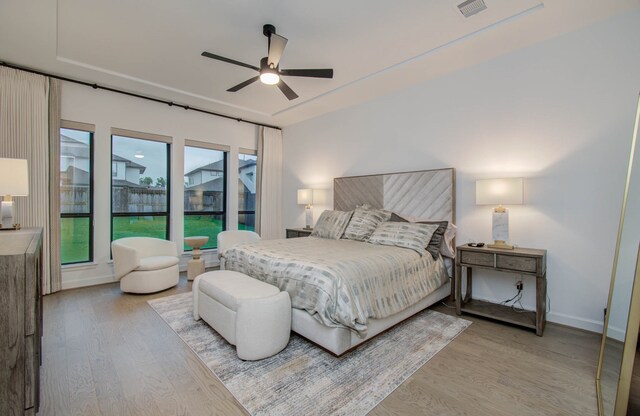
(71, 125)
(148, 137)
(225, 188)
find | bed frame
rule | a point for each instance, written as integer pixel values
(419, 195)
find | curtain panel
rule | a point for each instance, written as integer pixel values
(24, 134)
(55, 277)
(269, 184)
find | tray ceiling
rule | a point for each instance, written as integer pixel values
(154, 46)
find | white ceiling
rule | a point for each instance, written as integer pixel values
(375, 47)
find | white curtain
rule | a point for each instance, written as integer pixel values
(269, 177)
(55, 275)
(24, 134)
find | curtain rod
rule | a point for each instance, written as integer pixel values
(133, 94)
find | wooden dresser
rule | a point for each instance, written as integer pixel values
(21, 321)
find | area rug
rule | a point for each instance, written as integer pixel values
(306, 380)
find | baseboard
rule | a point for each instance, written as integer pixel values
(91, 281)
(563, 319)
(575, 322)
(616, 333)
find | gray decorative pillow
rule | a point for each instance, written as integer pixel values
(331, 224)
(436, 239)
(364, 222)
(410, 235)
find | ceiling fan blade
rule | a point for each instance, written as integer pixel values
(314, 73)
(276, 47)
(244, 84)
(286, 90)
(228, 60)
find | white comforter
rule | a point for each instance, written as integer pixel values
(342, 283)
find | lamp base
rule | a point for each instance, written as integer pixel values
(308, 211)
(6, 215)
(500, 244)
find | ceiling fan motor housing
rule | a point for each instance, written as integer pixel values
(264, 65)
(267, 30)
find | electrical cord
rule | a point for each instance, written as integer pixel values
(516, 300)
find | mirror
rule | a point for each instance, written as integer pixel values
(620, 333)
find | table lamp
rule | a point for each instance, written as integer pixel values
(305, 197)
(14, 181)
(508, 191)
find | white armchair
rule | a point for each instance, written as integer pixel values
(227, 239)
(145, 265)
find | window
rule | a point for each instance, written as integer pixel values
(139, 187)
(205, 193)
(247, 190)
(76, 194)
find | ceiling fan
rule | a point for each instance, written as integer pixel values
(269, 70)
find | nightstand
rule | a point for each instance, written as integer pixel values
(298, 232)
(526, 261)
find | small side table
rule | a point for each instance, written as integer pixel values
(195, 266)
(526, 261)
(298, 232)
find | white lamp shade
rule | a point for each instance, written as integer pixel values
(14, 177)
(305, 196)
(508, 191)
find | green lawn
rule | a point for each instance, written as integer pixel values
(74, 236)
(75, 232)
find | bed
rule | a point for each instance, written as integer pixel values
(344, 292)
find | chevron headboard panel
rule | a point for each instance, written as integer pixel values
(420, 195)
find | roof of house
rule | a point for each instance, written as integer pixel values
(72, 147)
(218, 166)
(128, 163)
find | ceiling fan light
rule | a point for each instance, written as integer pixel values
(269, 78)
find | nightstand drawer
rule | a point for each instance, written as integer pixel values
(517, 263)
(478, 259)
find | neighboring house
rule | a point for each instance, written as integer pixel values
(74, 175)
(74, 161)
(205, 173)
(124, 172)
(247, 174)
(205, 185)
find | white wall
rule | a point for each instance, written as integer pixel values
(559, 113)
(105, 110)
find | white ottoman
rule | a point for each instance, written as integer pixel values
(250, 314)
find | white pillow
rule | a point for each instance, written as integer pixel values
(446, 248)
(364, 222)
(409, 235)
(331, 224)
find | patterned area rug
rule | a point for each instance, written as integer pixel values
(306, 380)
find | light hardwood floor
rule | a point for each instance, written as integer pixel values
(108, 353)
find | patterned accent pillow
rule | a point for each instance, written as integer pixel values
(410, 235)
(331, 224)
(438, 238)
(364, 222)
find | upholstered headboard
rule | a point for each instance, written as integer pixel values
(420, 195)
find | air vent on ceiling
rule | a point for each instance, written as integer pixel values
(471, 7)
